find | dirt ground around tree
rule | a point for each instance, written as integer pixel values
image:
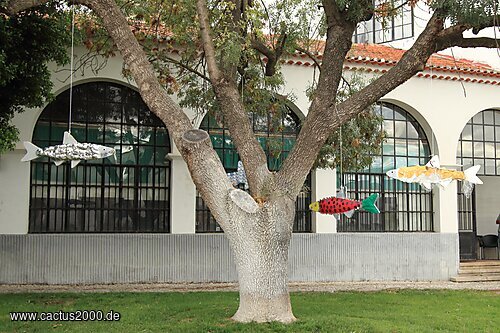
(294, 286)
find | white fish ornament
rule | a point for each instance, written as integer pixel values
(432, 173)
(70, 150)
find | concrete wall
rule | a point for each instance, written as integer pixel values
(121, 258)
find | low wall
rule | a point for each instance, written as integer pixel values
(122, 258)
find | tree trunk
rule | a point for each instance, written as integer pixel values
(263, 284)
(260, 244)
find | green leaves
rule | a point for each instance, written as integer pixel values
(8, 136)
(28, 41)
(353, 144)
(468, 12)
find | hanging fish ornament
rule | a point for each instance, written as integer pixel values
(239, 177)
(70, 150)
(341, 205)
(432, 173)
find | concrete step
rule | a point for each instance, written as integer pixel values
(476, 278)
(479, 266)
(477, 271)
(480, 263)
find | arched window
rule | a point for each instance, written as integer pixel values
(277, 136)
(128, 194)
(403, 206)
(479, 144)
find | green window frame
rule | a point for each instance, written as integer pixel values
(129, 194)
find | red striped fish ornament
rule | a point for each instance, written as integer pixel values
(335, 205)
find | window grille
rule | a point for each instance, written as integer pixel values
(466, 210)
(377, 30)
(129, 194)
(404, 207)
(479, 143)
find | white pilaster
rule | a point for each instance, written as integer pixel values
(324, 185)
(14, 193)
(183, 197)
(445, 201)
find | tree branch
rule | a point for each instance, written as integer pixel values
(186, 67)
(203, 162)
(14, 7)
(314, 132)
(235, 117)
(453, 36)
(411, 62)
(325, 118)
(310, 55)
(208, 45)
(467, 42)
(273, 56)
(332, 12)
(492, 21)
(262, 48)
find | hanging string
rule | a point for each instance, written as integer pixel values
(341, 158)
(71, 66)
(340, 148)
(459, 76)
(433, 148)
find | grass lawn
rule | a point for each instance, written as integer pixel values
(390, 311)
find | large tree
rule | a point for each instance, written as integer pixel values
(259, 225)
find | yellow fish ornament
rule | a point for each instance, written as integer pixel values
(432, 173)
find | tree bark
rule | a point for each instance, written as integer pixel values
(260, 244)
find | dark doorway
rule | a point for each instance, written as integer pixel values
(467, 228)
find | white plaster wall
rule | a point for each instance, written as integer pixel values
(324, 185)
(440, 106)
(297, 80)
(182, 197)
(446, 109)
(14, 193)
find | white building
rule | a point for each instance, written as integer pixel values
(138, 218)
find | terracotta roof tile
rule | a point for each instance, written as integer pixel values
(377, 54)
(372, 54)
